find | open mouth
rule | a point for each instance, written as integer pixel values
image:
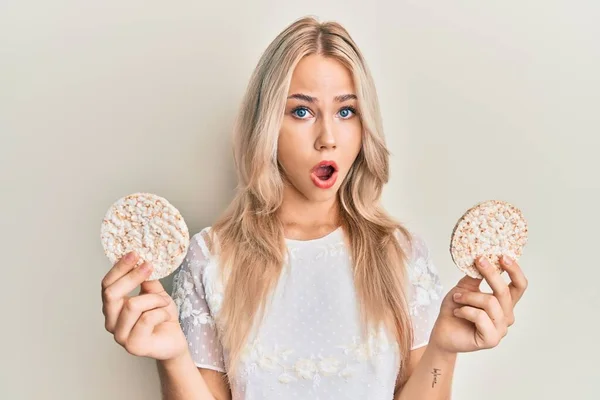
(324, 174)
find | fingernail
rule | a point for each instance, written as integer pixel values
(507, 260)
(457, 296)
(145, 267)
(482, 262)
(130, 256)
(456, 311)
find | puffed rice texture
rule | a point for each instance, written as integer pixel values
(149, 225)
(491, 228)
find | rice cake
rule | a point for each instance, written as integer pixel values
(491, 228)
(149, 225)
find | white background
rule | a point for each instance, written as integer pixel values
(480, 100)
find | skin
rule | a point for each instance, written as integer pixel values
(326, 129)
(312, 131)
(471, 321)
(147, 325)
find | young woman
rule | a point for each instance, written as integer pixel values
(306, 288)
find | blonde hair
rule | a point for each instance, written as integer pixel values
(249, 236)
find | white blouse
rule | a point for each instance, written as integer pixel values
(308, 346)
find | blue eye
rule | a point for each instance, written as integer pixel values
(300, 112)
(345, 112)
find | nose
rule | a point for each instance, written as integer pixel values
(326, 139)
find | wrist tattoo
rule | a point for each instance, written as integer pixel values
(436, 372)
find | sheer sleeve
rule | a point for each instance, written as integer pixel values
(425, 292)
(195, 315)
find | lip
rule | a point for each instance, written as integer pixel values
(329, 182)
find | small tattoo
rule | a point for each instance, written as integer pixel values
(436, 372)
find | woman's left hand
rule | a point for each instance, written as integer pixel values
(470, 320)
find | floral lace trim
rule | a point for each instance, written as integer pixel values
(425, 283)
(278, 360)
(182, 298)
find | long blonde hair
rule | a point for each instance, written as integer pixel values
(251, 244)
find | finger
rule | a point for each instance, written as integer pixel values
(497, 284)
(125, 284)
(121, 267)
(469, 283)
(486, 302)
(486, 335)
(518, 283)
(131, 312)
(153, 286)
(141, 333)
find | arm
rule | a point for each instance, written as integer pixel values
(431, 371)
(469, 320)
(147, 325)
(200, 373)
(182, 380)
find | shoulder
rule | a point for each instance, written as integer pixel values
(420, 267)
(202, 241)
(198, 252)
(413, 243)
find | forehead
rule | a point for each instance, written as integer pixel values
(318, 74)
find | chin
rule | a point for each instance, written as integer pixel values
(320, 195)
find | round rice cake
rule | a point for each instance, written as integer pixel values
(149, 225)
(491, 228)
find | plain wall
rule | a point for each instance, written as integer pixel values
(480, 100)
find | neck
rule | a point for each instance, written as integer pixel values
(298, 211)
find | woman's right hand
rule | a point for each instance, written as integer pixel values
(145, 325)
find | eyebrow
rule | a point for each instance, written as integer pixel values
(310, 99)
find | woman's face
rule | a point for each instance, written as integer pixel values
(321, 133)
